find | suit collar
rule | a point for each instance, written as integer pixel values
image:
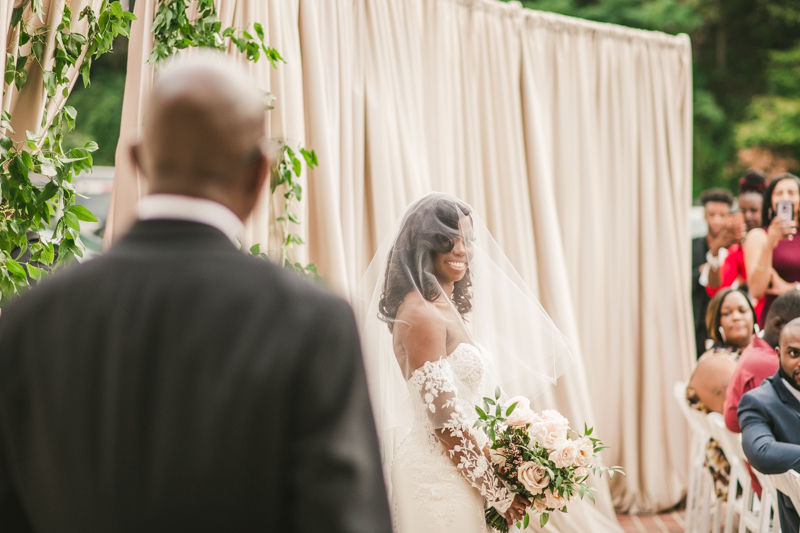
(783, 393)
(173, 235)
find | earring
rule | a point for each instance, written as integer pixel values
(722, 334)
(758, 331)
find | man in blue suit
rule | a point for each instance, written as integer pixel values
(770, 419)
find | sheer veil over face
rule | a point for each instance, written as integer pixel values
(440, 247)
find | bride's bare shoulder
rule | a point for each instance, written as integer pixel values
(421, 329)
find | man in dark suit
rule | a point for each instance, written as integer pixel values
(706, 255)
(769, 416)
(176, 383)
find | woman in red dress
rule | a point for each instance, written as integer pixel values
(772, 254)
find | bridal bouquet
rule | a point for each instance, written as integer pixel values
(538, 456)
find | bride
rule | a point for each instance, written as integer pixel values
(446, 319)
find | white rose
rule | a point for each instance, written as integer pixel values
(564, 453)
(585, 450)
(533, 477)
(548, 428)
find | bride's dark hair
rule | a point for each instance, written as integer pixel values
(430, 229)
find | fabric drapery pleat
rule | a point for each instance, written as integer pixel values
(572, 139)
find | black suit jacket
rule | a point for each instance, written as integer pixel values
(177, 384)
(700, 297)
(770, 419)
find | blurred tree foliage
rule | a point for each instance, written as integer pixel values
(746, 71)
(99, 106)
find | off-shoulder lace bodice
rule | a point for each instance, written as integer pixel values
(444, 394)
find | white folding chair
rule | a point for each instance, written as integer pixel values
(769, 521)
(699, 496)
(739, 477)
(789, 484)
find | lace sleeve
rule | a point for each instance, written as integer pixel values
(437, 385)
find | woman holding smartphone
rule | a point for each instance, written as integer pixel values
(772, 254)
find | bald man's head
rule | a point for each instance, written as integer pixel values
(203, 133)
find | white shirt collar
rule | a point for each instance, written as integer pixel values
(177, 207)
(792, 389)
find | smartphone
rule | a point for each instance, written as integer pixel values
(785, 209)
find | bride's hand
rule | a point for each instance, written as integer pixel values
(516, 511)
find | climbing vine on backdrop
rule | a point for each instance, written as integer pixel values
(36, 172)
(173, 30)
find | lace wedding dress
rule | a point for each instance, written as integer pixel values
(443, 485)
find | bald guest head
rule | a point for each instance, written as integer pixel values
(203, 133)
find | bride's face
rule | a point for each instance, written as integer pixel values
(452, 266)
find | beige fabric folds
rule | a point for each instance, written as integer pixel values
(573, 141)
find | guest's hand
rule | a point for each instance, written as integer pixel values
(517, 510)
(724, 239)
(780, 229)
(778, 285)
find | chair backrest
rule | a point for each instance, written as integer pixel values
(789, 484)
(696, 419)
(730, 442)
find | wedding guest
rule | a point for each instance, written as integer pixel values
(733, 273)
(705, 252)
(730, 320)
(759, 361)
(768, 416)
(177, 383)
(772, 254)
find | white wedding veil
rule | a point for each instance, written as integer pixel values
(501, 315)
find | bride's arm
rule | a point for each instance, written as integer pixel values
(424, 337)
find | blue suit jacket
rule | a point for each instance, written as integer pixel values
(769, 416)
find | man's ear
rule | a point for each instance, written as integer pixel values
(777, 324)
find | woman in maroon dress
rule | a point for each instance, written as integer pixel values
(772, 254)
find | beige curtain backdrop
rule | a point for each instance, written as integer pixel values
(29, 106)
(571, 139)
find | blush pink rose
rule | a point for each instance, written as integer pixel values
(580, 473)
(564, 453)
(539, 507)
(522, 415)
(533, 477)
(553, 500)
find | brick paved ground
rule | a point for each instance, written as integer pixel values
(657, 523)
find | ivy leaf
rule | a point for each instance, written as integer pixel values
(526, 521)
(15, 268)
(82, 213)
(16, 16)
(543, 519)
(259, 30)
(35, 272)
(90, 146)
(71, 220)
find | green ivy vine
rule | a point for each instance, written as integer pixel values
(173, 30)
(46, 208)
